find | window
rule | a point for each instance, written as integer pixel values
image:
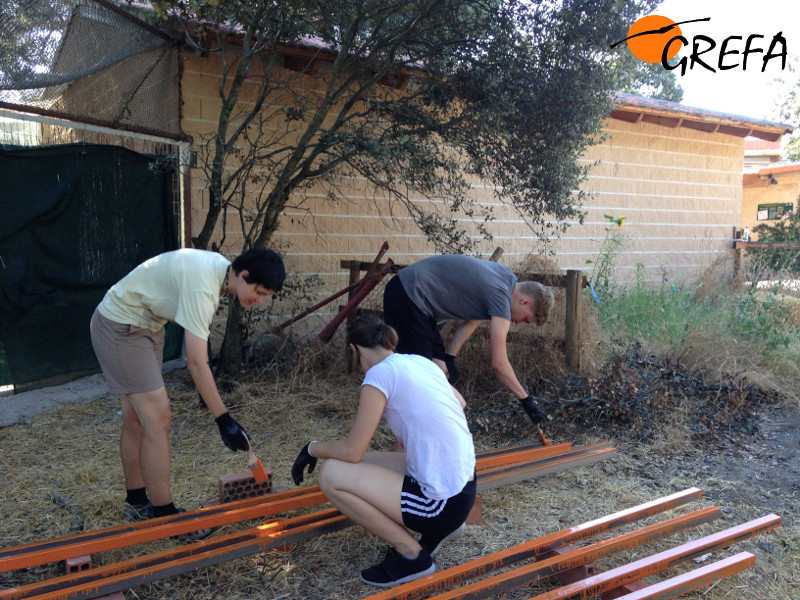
(773, 212)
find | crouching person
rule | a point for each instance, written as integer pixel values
(429, 487)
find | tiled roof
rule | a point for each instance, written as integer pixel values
(756, 144)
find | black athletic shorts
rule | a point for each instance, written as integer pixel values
(416, 331)
(435, 517)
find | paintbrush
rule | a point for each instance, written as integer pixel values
(545, 441)
(259, 473)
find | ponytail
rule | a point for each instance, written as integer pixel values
(368, 331)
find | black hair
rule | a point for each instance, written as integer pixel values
(368, 331)
(264, 267)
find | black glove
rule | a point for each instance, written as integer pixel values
(450, 363)
(304, 459)
(532, 408)
(233, 434)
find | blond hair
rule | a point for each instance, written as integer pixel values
(542, 297)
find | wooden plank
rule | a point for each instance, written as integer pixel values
(121, 536)
(105, 580)
(694, 580)
(523, 456)
(115, 582)
(444, 580)
(739, 245)
(364, 289)
(363, 266)
(275, 534)
(547, 467)
(550, 279)
(514, 578)
(597, 584)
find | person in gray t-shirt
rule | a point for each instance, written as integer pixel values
(453, 286)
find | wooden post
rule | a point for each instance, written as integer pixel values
(573, 321)
(498, 252)
(737, 253)
(355, 274)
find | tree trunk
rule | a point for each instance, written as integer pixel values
(230, 355)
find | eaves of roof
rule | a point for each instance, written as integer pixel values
(629, 107)
(777, 168)
(635, 109)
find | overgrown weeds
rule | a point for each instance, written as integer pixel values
(721, 331)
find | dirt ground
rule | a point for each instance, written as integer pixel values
(71, 450)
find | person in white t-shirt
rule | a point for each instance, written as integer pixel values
(429, 487)
(127, 331)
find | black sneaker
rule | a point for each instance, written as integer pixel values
(432, 544)
(194, 536)
(395, 569)
(137, 512)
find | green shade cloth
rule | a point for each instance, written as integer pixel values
(75, 220)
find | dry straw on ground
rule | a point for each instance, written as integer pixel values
(72, 452)
(71, 455)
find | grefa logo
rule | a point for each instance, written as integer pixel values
(655, 38)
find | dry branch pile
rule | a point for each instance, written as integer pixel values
(638, 394)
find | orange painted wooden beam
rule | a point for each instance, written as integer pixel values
(515, 473)
(121, 536)
(522, 456)
(694, 580)
(446, 583)
(121, 576)
(597, 584)
(543, 545)
(282, 531)
(529, 457)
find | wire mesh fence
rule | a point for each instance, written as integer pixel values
(88, 60)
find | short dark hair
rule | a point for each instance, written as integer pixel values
(264, 267)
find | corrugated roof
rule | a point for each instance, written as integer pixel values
(633, 108)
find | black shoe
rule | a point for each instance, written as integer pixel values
(395, 569)
(137, 512)
(432, 544)
(194, 536)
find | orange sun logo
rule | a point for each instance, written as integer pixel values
(648, 36)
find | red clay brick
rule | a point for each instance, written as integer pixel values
(78, 563)
(623, 590)
(475, 516)
(573, 575)
(238, 486)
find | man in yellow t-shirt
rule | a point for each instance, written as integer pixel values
(127, 330)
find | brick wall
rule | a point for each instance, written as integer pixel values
(679, 189)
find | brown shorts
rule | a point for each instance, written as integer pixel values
(130, 357)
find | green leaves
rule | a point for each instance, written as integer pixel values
(414, 97)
